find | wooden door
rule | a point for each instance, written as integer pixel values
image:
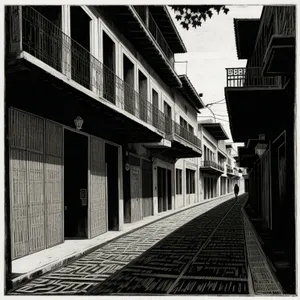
(26, 134)
(18, 183)
(136, 201)
(154, 108)
(54, 183)
(168, 118)
(147, 188)
(98, 199)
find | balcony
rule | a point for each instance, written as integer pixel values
(143, 32)
(44, 41)
(229, 170)
(275, 41)
(184, 144)
(250, 78)
(156, 34)
(249, 93)
(211, 167)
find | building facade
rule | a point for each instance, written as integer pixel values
(103, 124)
(261, 104)
(217, 176)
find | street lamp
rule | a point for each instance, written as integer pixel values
(261, 146)
(78, 123)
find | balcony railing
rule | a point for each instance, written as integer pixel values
(229, 169)
(185, 134)
(157, 35)
(45, 41)
(250, 77)
(275, 20)
(211, 164)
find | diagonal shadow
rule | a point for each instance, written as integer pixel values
(205, 256)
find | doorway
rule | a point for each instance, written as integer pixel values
(80, 43)
(169, 190)
(109, 66)
(128, 75)
(111, 159)
(75, 185)
(162, 189)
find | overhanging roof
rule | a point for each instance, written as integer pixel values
(189, 91)
(167, 27)
(245, 36)
(216, 130)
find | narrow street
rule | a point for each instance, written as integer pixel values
(201, 250)
(205, 256)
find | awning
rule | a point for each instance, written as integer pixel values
(216, 130)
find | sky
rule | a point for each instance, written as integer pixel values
(211, 49)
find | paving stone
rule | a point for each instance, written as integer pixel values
(80, 276)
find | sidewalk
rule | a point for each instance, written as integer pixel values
(37, 264)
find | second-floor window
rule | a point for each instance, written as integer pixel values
(178, 182)
(183, 123)
(168, 115)
(143, 92)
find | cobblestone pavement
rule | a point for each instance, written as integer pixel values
(205, 256)
(82, 275)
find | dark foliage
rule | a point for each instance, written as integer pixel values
(194, 15)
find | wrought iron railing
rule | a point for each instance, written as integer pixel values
(157, 35)
(185, 134)
(250, 77)
(229, 169)
(211, 164)
(44, 40)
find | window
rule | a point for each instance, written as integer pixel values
(155, 108)
(190, 181)
(178, 182)
(191, 129)
(183, 123)
(168, 117)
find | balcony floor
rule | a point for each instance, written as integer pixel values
(252, 111)
(53, 98)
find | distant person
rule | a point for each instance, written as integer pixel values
(236, 190)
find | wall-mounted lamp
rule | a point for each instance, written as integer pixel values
(261, 146)
(78, 123)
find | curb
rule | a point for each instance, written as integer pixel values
(17, 282)
(267, 260)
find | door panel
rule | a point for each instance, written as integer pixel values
(136, 201)
(54, 183)
(18, 198)
(98, 188)
(26, 134)
(147, 191)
